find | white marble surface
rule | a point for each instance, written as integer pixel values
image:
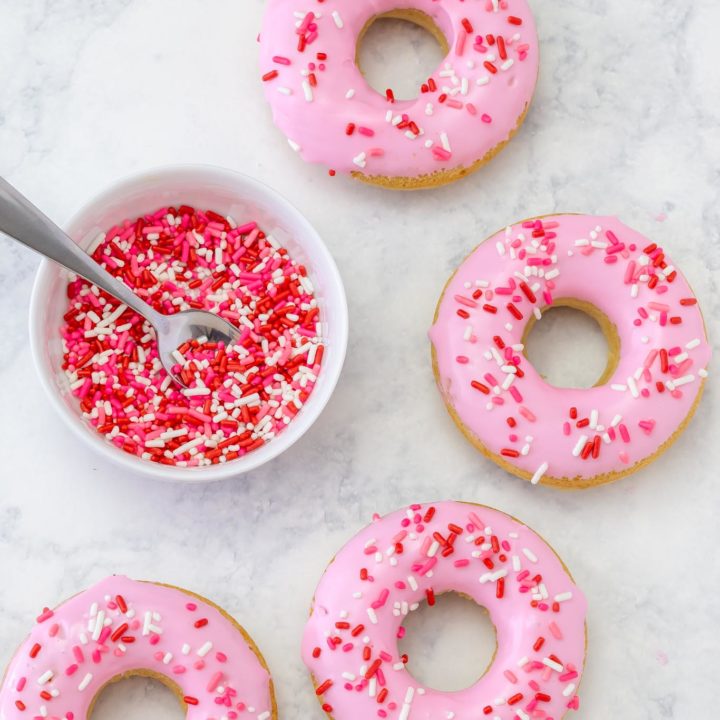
(625, 122)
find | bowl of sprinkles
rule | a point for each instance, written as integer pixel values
(183, 238)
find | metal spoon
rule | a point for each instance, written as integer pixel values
(22, 221)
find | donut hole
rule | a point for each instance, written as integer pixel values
(574, 345)
(450, 645)
(400, 50)
(137, 698)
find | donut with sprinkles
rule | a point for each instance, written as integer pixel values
(121, 628)
(464, 113)
(413, 555)
(560, 436)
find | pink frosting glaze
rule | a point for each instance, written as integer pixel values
(330, 114)
(121, 625)
(351, 640)
(545, 431)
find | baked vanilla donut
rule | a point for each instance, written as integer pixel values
(465, 112)
(350, 643)
(121, 628)
(572, 438)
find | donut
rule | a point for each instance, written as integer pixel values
(386, 571)
(567, 437)
(464, 114)
(121, 628)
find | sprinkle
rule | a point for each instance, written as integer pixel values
(539, 473)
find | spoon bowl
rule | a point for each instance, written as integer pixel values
(229, 193)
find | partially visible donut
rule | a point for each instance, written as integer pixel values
(350, 643)
(120, 628)
(566, 437)
(465, 112)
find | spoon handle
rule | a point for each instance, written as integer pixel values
(22, 221)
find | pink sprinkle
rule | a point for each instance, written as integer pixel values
(527, 414)
(486, 118)
(460, 45)
(45, 615)
(624, 434)
(214, 681)
(555, 630)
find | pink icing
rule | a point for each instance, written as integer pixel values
(332, 116)
(121, 625)
(538, 613)
(663, 347)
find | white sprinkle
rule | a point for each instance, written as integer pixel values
(562, 597)
(483, 80)
(284, 90)
(372, 616)
(569, 690)
(293, 145)
(338, 20)
(99, 624)
(684, 380)
(46, 677)
(350, 94)
(360, 160)
(552, 664)
(530, 555)
(619, 387)
(507, 64)
(205, 649)
(539, 473)
(307, 89)
(633, 387)
(552, 274)
(412, 583)
(85, 682)
(445, 142)
(593, 419)
(579, 446)
(500, 248)
(692, 344)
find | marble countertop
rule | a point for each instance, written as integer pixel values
(625, 122)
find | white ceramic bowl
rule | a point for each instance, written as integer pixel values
(228, 193)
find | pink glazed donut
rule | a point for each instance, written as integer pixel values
(120, 628)
(351, 640)
(571, 438)
(465, 112)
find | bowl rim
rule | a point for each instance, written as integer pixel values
(220, 471)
